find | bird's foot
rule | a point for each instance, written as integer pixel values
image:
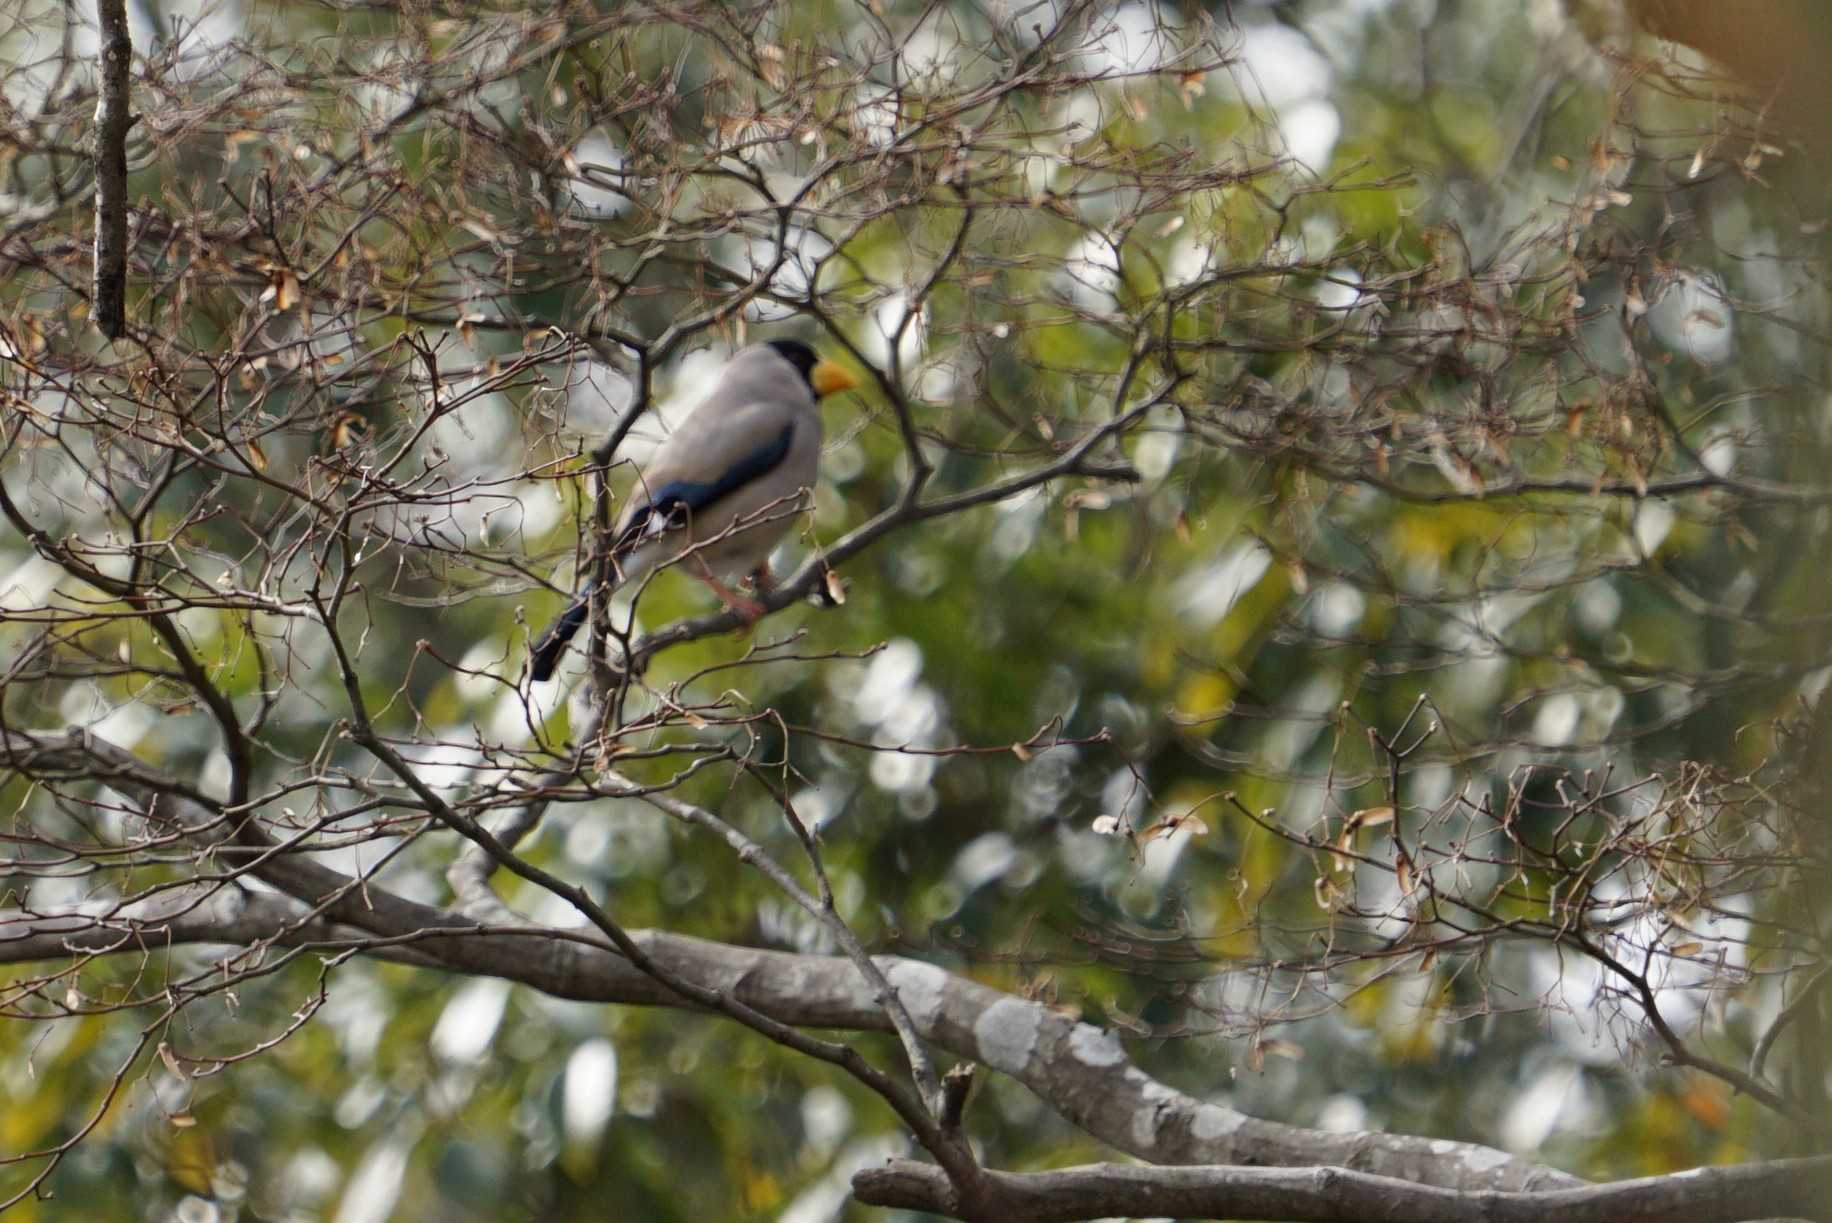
(749, 609)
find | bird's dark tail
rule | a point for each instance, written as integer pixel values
(552, 644)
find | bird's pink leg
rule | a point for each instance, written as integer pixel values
(750, 609)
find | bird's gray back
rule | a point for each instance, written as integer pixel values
(758, 395)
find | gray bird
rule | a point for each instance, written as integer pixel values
(723, 488)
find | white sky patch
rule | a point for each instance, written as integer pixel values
(589, 1095)
(912, 721)
(595, 184)
(1680, 981)
(794, 276)
(938, 380)
(1156, 451)
(817, 807)
(1285, 68)
(1023, 18)
(900, 772)
(1091, 273)
(1309, 130)
(469, 1021)
(587, 841)
(192, 1209)
(123, 725)
(826, 1119)
(1208, 594)
(1598, 605)
(886, 318)
(596, 396)
(1653, 520)
(1604, 706)
(1341, 291)
(931, 48)
(446, 765)
(309, 1177)
(1079, 115)
(823, 1201)
(1497, 612)
(1018, 523)
(478, 437)
(1124, 797)
(28, 587)
(34, 48)
(392, 82)
(358, 1104)
(1135, 38)
(1283, 72)
(1554, 1097)
(357, 1011)
(1160, 858)
(1342, 1114)
(375, 1187)
(1556, 724)
(550, 910)
(1289, 738)
(888, 679)
(1336, 609)
(1718, 454)
(205, 27)
(874, 115)
(982, 860)
(214, 778)
(1693, 317)
(1189, 259)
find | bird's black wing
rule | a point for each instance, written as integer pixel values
(674, 503)
(669, 507)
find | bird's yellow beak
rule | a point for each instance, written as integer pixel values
(830, 376)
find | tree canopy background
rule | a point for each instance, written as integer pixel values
(1323, 584)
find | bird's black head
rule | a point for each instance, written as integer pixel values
(799, 355)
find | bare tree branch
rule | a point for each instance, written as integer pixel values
(1082, 1071)
(1793, 1187)
(112, 119)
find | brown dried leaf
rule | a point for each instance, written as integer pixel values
(1175, 823)
(283, 289)
(347, 428)
(1345, 848)
(1191, 86)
